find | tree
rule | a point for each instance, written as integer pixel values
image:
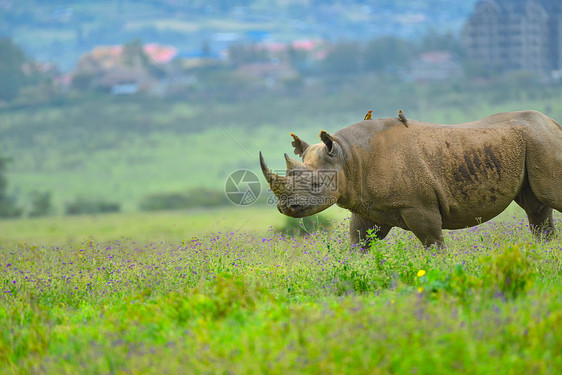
(12, 78)
(344, 58)
(386, 52)
(40, 204)
(297, 58)
(8, 207)
(134, 55)
(205, 49)
(435, 41)
(240, 54)
(82, 81)
(3, 181)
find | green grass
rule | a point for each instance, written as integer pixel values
(260, 302)
(177, 225)
(143, 226)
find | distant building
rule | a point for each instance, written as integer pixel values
(195, 59)
(516, 35)
(270, 72)
(103, 58)
(109, 69)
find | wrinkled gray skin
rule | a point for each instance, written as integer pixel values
(428, 177)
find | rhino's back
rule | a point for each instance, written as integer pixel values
(361, 134)
(473, 171)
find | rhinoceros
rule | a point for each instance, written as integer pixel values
(427, 177)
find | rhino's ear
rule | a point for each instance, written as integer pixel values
(299, 145)
(328, 141)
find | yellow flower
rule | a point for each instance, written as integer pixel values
(392, 302)
(420, 289)
(421, 273)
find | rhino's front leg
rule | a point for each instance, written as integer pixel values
(359, 226)
(426, 224)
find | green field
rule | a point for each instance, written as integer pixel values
(122, 149)
(163, 225)
(168, 293)
(221, 289)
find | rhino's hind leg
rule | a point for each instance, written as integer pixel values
(359, 226)
(540, 217)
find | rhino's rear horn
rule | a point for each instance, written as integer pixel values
(293, 164)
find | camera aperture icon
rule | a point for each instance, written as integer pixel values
(242, 187)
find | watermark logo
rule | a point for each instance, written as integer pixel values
(314, 181)
(242, 187)
(302, 187)
(302, 200)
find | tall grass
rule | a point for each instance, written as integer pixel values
(235, 302)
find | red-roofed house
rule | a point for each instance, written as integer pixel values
(108, 69)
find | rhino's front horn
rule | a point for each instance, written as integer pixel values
(293, 164)
(277, 183)
(265, 170)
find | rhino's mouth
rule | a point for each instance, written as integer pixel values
(293, 210)
(301, 206)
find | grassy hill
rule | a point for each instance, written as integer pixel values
(122, 149)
